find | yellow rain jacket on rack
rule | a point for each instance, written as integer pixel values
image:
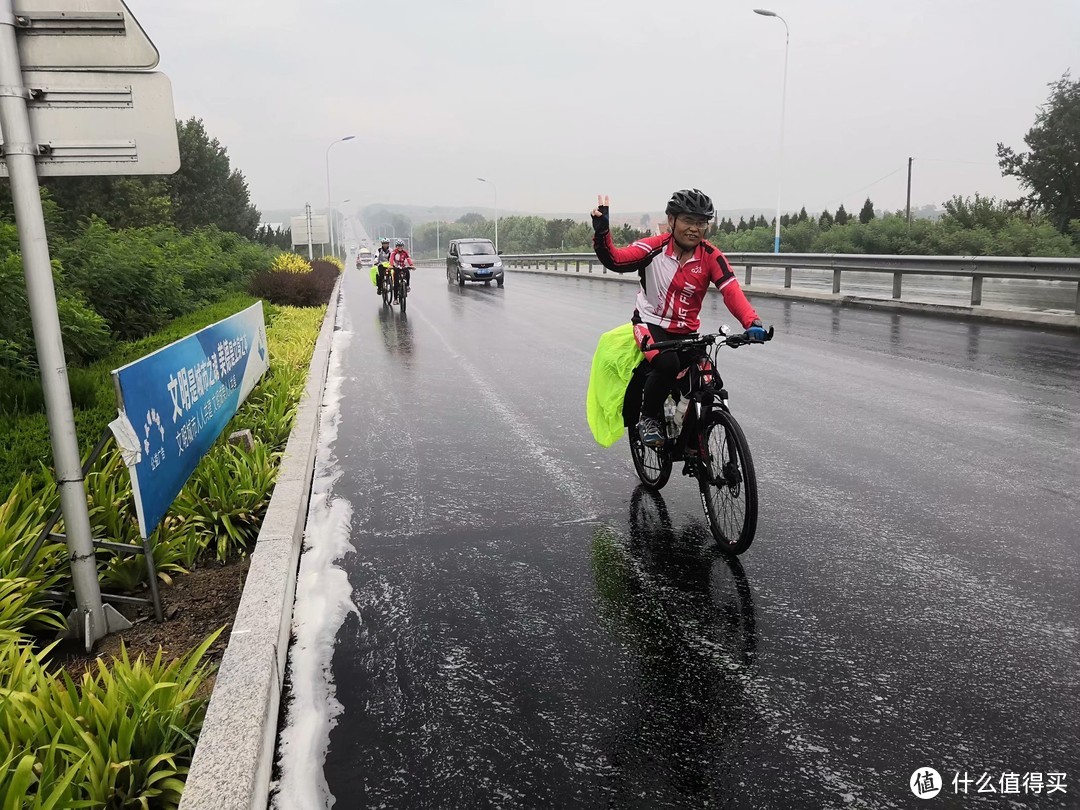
(617, 355)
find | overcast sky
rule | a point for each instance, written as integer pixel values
(556, 100)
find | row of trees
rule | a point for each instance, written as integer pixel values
(977, 226)
(969, 226)
(517, 234)
(827, 219)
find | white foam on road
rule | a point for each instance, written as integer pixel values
(323, 600)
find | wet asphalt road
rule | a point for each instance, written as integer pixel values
(534, 631)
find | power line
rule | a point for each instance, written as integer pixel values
(871, 185)
(950, 160)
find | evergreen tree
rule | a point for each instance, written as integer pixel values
(826, 220)
(867, 212)
(742, 226)
(803, 216)
(841, 215)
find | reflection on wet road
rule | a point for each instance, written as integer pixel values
(535, 630)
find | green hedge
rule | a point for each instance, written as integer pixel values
(119, 285)
(24, 430)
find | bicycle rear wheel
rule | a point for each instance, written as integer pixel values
(728, 484)
(653, 465)
(404, 297)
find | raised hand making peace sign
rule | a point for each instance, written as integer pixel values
(600, 221)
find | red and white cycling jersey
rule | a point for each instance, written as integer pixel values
(670, 295)
(400, 258)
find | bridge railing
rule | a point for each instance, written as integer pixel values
(975, 268)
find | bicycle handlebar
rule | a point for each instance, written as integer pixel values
(734, 341)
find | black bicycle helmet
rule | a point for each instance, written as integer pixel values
(690, 201)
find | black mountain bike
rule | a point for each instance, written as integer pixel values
(402, 289)
(387, 282)
(711, 443)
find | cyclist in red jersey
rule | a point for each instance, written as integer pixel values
(676, 269)
(402, 263)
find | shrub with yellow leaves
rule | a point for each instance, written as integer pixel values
(291, 263)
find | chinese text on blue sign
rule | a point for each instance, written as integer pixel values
(178, 400)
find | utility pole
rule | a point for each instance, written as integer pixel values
(909, 192)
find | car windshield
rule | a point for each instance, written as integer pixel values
(477, 249)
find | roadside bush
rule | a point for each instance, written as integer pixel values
(229, 261)
(290, 263)
(141, 278)
(226, 499)
(327, 263)
(122, 736)
(125, 277)
(296, 289)
(84, 332)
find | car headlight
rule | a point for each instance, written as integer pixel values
(466, 266)
(498, 263)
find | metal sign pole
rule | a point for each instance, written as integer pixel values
(20, 151)
(307, 210)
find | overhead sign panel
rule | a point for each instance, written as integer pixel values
(81, 35)
(319, 230)
(93, 123)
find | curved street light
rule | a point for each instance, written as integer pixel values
(764, 12)
(329, 202)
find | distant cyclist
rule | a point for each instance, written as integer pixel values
(676, 269)
(384, 251)
(402, 263)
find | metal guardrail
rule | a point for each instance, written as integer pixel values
(976, 268)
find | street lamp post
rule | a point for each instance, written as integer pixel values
(329, 203)
(496, 190)
(343, 203)
(783, 101)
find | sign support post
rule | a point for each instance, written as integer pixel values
(92, 619)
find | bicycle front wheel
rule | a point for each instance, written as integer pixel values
(653, 465)
(728, 484)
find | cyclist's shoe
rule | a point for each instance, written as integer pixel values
(651, 431)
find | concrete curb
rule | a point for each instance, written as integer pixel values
(1015, 317)
(233, 761)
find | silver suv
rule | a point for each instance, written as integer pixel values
(473, 260)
